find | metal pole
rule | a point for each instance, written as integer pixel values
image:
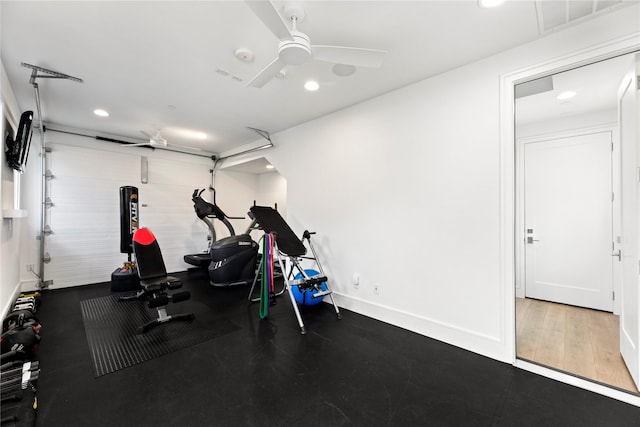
(43, 184)
(42, 284)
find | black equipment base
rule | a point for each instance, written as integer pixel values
(124, 279)
(199, 260)
(233, 261)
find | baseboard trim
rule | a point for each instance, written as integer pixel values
(579, 382)
(483, 344)
(9, 303)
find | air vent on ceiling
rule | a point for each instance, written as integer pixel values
(553, 14)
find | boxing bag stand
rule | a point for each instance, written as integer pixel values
(126, 278)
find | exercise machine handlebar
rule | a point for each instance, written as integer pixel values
(209, 210)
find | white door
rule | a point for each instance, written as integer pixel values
(84, 246)
(629, 120)
(568, 220)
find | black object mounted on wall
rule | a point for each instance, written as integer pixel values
(17, 150)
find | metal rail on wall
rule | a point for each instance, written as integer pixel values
(216, 160)
(39, 72)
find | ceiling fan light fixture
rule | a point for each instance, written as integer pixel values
(343, 70)
(296, 51)
(295, 47)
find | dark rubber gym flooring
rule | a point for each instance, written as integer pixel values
(351, 372)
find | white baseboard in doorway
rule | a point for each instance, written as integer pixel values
(579, 382)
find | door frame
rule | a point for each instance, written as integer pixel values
(520, 250)
(507, 220)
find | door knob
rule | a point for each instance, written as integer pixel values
(531, 239)
(618, 254)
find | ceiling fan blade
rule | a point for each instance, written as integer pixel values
(359, 57)
(268, 14)
(267, 73)
(139, 144)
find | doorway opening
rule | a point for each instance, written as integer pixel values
(567, 222)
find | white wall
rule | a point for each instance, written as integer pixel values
(408, 195)
(10, 233)
(237, 191)
(272, 191)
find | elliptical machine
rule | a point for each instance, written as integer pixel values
(231, 260)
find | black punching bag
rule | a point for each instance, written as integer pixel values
(128, 217)
(126, 278)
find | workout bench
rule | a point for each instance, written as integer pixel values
(154, 280)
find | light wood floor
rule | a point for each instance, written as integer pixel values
(576, 340)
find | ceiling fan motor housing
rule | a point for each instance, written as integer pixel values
(296, 51)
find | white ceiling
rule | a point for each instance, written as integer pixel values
(171, 64)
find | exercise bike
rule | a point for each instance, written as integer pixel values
(231, 260)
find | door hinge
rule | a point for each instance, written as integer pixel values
(613, 196)
(613, 295)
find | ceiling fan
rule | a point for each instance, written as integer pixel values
(295, 47)
(158, 141)
(154, 140)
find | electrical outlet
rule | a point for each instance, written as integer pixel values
(29, 267)
(356, 279)
(376, 289)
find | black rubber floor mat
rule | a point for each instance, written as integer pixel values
(111, 329)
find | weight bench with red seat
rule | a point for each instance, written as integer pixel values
(154, 280)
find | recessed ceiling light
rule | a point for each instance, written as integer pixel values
(200, 135)
(311, 85)
(269, 166)
(490, 3)
(566, 95)
(100, 112)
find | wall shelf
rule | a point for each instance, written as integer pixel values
(14, 213)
